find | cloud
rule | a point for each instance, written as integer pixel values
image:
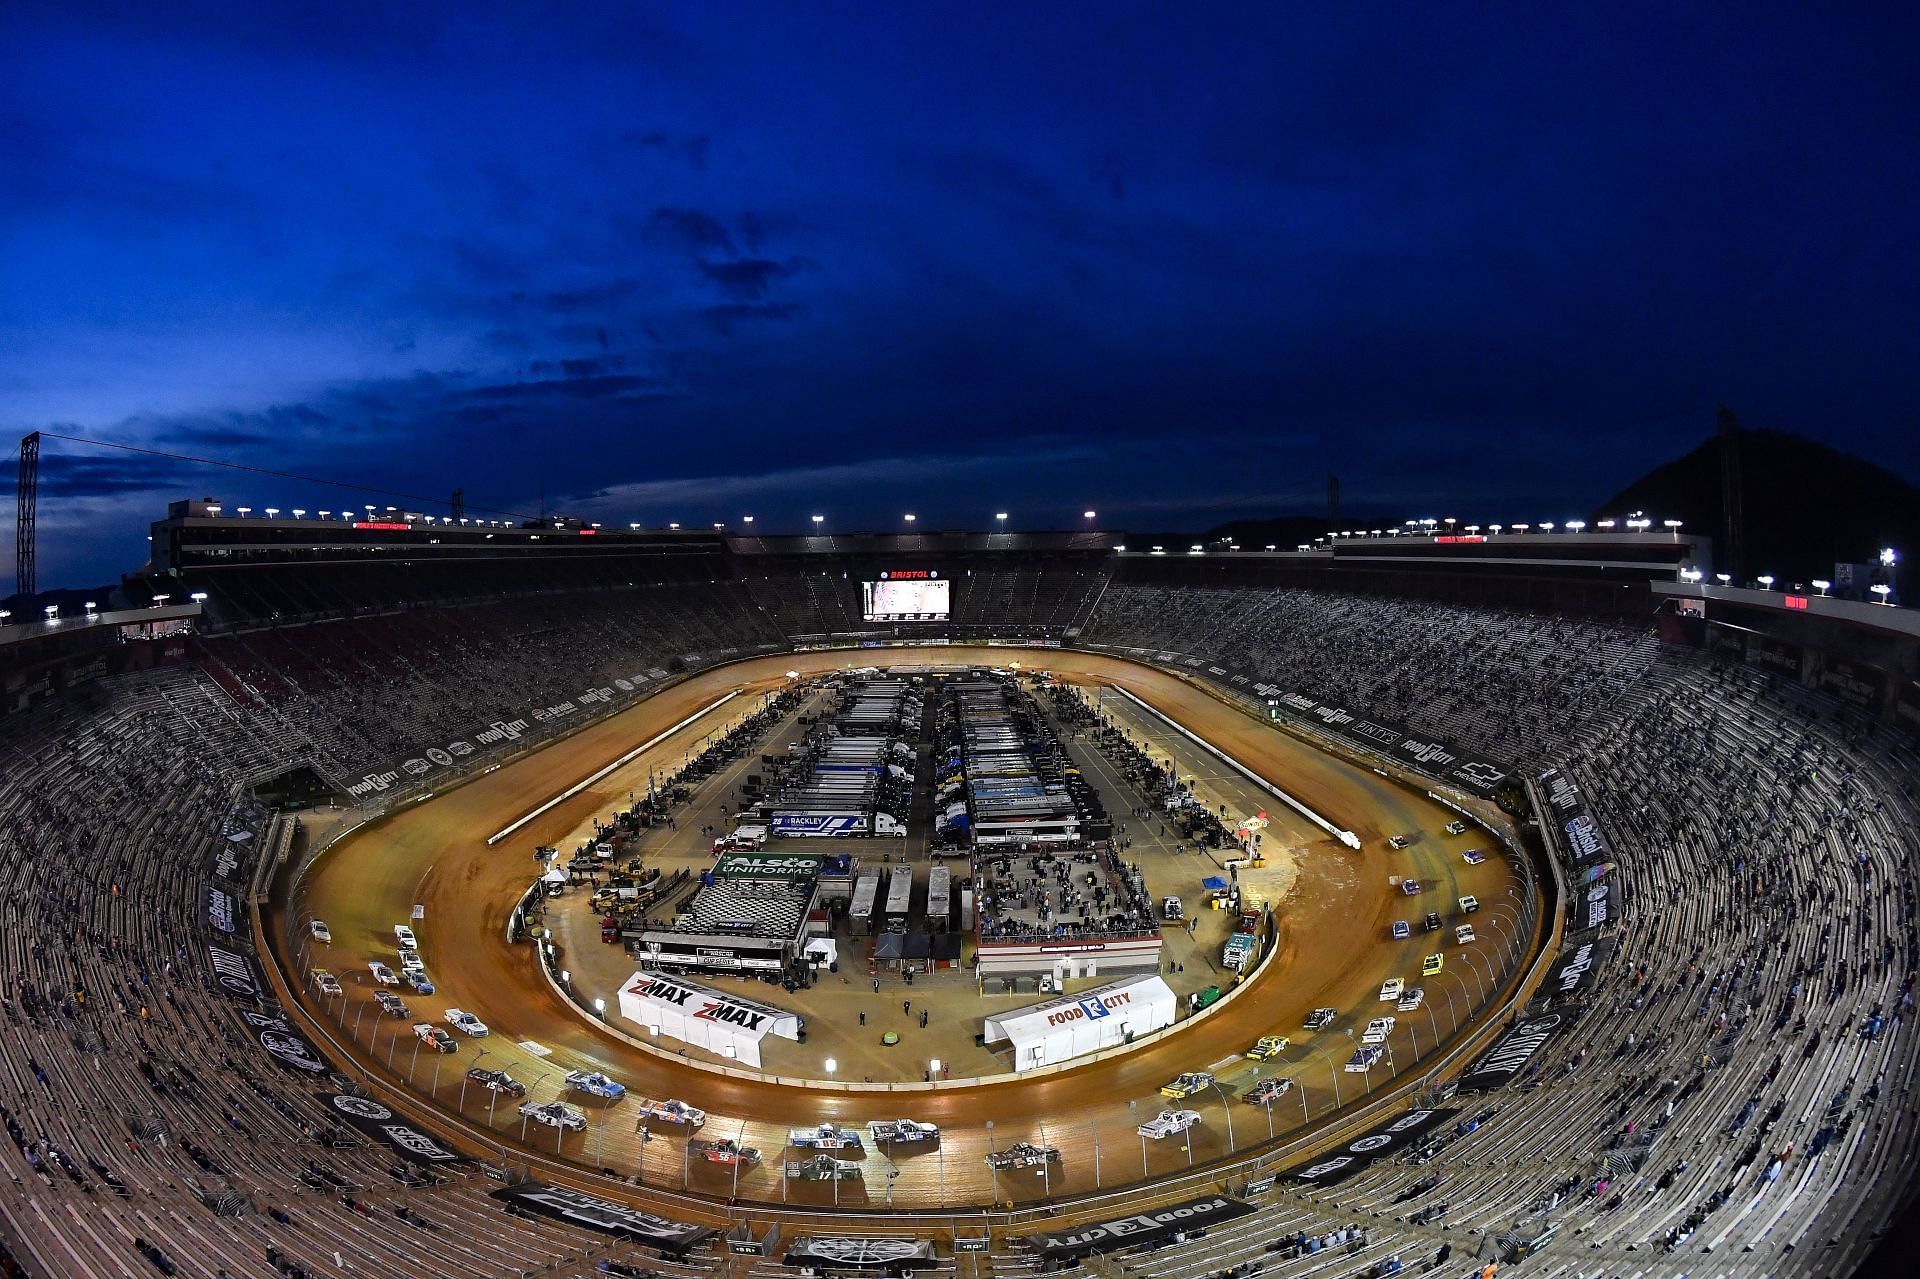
(722, 319)
(903, 474)
(568, 301)
(578, 387)
(749, 278)
(689, 229)
(690, 148)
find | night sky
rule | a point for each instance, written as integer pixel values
(1173, 263)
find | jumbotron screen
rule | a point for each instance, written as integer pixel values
(905, 597)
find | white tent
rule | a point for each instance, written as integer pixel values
(1043, 1034)
(721, 1023)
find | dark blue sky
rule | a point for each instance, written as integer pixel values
(1173, 263)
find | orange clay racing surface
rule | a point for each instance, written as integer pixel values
(1336, 948)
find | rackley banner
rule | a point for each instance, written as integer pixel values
(1148, 1227)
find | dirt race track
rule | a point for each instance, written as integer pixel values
(1336, 949)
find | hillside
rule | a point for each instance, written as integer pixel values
(1806, 504)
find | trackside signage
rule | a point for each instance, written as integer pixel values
(233, 972)
(842, 1252)
(1145, 1228)
(577, 1208)
(1512, 1051)
(283, 1043)
(769, 866)
(1428, 754)
(1574, 969)
(503, 733)
(376, 1120)
(1387, 1139)
(222, 910)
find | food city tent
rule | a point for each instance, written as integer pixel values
(1042, 1034)
(704, 1017)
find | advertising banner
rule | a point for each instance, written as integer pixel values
(576, 1208)
(376, 1120)
(1387, 1139)
(1386, 737)
(1573, 971)
(1510, 1053)
(233, 972)
(1145, 1228)
(222, 911)
(283, 1043)
(840, 1252)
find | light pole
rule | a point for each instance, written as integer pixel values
(1226, 1106)
(463, 1080)
(993, 1167)
(740, 1141)
(1133, 1113)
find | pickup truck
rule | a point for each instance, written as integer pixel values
(886, 1131)
(824, 1137)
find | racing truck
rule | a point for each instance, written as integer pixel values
(1169, 1122)
(886, 1131)
(595, 1084)
(1023, 1154)
(673, 1112)
(823, 1168)
(1186, 1085)
(824, 1137)
(727, 1151)
(1267, 1091)
(554, 1114)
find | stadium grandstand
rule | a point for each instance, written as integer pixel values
(1713, 1078)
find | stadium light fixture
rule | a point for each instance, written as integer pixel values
(832, 1065)
(1822, 585)
(1691, 575)
(92, 608)
(1521, 528)
(1574, 526)
(1672, 523)
(716, 524)
(1883, 591)
(5, 613)
(1605, 524)
(1088, 514)
(1765, 580)
(1547, 527)
(746, 519)
(911, 517)
(158, 600)
(673, 526)
(1496, 527)
(1002, 517)
(325, 515)
(1300, 547)
(52, 611)
(273, 512)
(213, 508)
(1473, 528)
(1723, 578)
(1640, 525)
(818, 520)
(299, 513)
(634, 525)
(198, 597)
(1889, 557)
(245, 511)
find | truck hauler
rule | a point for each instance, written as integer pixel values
(835, 822)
